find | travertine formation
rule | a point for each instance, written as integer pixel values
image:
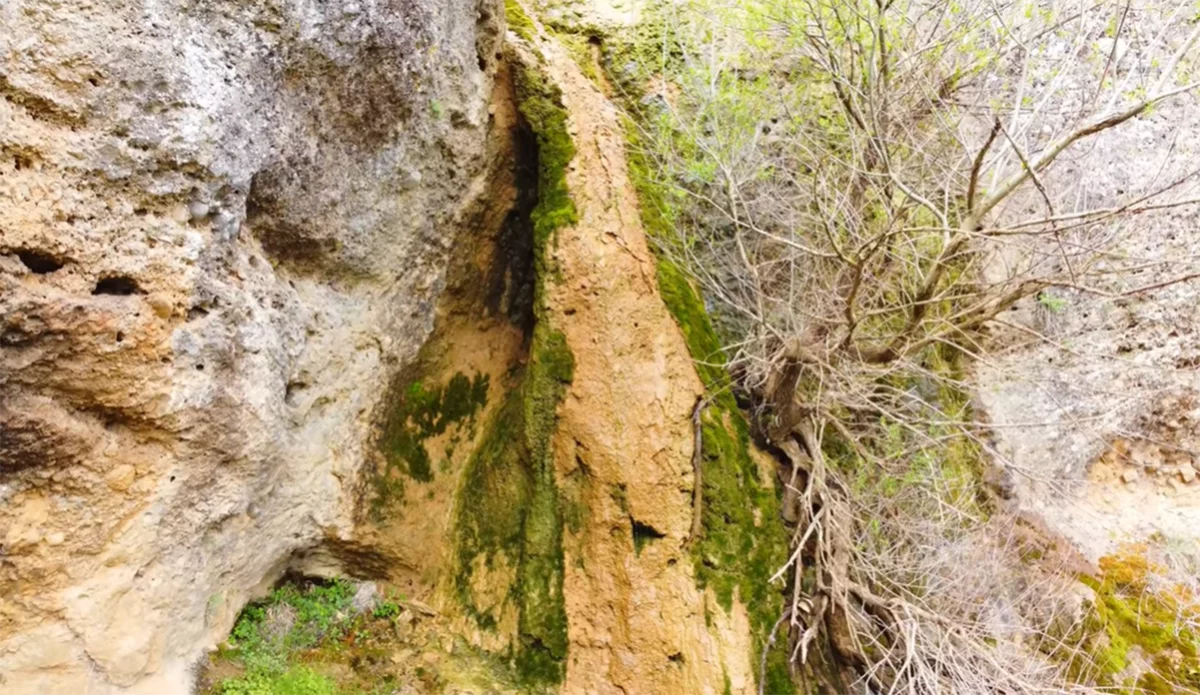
(224, 230)
(223, 227)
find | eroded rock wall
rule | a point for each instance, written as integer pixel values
(223, 225)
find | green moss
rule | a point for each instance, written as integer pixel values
(510, 513)
(420, 412)
(742, 543)
(517, 20)
(543, 624)
(637, 54)
(1129, 615)
(540, 102)
(579, 47)
(296, 680)
(685, 305)
(496, 490)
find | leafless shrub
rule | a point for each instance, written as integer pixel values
(861, 188)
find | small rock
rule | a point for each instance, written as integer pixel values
(1130, 475)
(1145, 455)
(1187, 473)
(198, 209)
(161, 305)
(401, 656)
(121, 477)
(365, 598)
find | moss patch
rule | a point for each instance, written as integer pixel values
(540, 103)
(422, 411)
(742, 542)
(510, 512)
(1131, 612)
(517, 20)
(509, 516)
(1136, 615)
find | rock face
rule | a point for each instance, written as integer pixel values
(223, 226)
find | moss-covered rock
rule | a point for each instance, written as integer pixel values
(742, 542)
(421, 410)
(510, 515)
(517, 20)
(1131, 612)
(540, 103)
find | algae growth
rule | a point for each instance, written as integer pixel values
(422, 411)
(509, 516)
(742, 542)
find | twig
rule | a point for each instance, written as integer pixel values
(698, 473)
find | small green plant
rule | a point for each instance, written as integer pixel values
(270, 633)
(437, 108)
(386, 610)
(1053, 304)
(297, 680)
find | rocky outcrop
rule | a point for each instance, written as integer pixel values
(224, 225)
(566, 500)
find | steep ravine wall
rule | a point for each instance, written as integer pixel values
(367, 294)
(566, 494)
(223, 225)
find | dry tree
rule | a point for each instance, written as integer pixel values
(861, 188)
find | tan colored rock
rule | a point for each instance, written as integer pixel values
(640, 625)
(1130, 475)
(223, 229)
(1186, 473)
(121, 478)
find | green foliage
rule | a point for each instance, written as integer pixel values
(320, 610)
(1052, 303)
(422, 412)
(268, 650)
(296, 680)
(385, 610)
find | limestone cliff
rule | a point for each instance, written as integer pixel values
(354, 291)
(223, 225)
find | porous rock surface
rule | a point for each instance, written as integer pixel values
(223, 227)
